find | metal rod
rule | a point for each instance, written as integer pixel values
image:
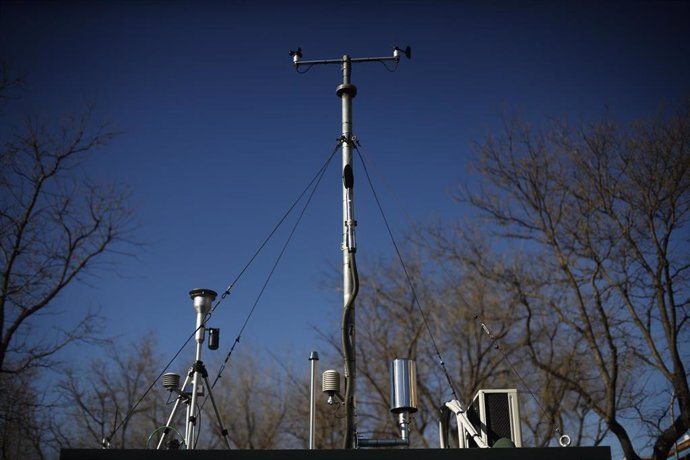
(346, 92)
(313, 358)
(202, 299)
(463, 423)
(223, 430)
(352, 60)
(364, 442)
(191, 419)
(180, 397)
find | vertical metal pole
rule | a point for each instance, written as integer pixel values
(191, 419)
(190, 414)
(202, 304)
(347, 92)
(313, 358)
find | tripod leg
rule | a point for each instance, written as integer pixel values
(465, 423)
(223, 430)
(180, 397)
(191, 417)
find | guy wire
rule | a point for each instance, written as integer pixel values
(510, 364)
(106, 441)
(441, 362)
(417, 303)
(315, 181)
(318, 176)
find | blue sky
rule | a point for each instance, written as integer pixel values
(220, 134)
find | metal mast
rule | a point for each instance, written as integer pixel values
(203, 300)
(346, 92)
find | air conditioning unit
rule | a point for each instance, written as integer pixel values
(495, 414)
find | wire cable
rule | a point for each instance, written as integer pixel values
(106, 441)
(415, 297)
(280, 222)
(563, 439)
(317, 177)
(315, 182)
(304, 71)
(390, 69)
(164, 427)
(347, 338)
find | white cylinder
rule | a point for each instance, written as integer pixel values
(330, 381)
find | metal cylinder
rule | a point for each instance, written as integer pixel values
(313, 358)
(171, 381)
(213, 338)
(203, 299)
(403, 386)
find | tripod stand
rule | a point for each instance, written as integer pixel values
(202, 304)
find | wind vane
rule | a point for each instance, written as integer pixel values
(346, 92)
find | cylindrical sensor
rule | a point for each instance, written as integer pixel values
(203, 299)
(403, 386)
(213, 338)
(330, 382)
(171, 381)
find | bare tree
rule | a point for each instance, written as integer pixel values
(21, 428)
(53, 230)
(603, 212)
(294, 381)
(8, 81)
(328, 418)
(263, 407)
(55, 227)
(546, 404)
(438, 316)
(105, 398)
(253, 403)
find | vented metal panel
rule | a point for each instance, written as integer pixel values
(497, 417)
(495, 414)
